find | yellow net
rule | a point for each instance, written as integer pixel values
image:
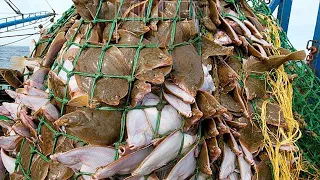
(286, 164)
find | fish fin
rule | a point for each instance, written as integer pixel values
(284, 51)
(18, 63)
(8, 162)
(32, 46)
(79, 101)
(38, 112)
(21, 91)
(298, 55)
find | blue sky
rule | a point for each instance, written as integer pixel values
(301, 25)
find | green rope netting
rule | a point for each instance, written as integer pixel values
(131, 78)
(306, 96)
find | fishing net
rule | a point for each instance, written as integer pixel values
(305, 99)
(305, 94)
(31, 156)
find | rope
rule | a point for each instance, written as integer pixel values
(130, 78)
(50, 6)
(16, 41)
(19, 35)
(305, 94)
(27, 36)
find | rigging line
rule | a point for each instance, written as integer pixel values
(20, 39)
(13, 6)
(19, 35)
(15, 41)
(50, 6)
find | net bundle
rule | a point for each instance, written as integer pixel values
(117, 74)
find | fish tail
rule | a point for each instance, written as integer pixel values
(299, 55)
(18, 63)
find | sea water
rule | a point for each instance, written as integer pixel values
(6, 52)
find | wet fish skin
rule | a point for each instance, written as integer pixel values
(231, 33)
(194, 119)
(21, 130)
(9, 143)
(35, 92)
(90, 156)
(222, 38)
(27, 120)
(33, 102)
(260, 54)
(214, 13)
(274, 61)
(214, 103)
(138, 129)
(228, 164)
(39, 167)
(37, 78)
(211, 48)
(56, 169)
(123, 165)
(155, 76)
(8, 162)
(204, 161)
(251, 137)
(140, 89)
(211, 129)
(2, 169)
(114, 64)
(20, 63)
(11, 78)
(185, 167)
(175, 90)
(153, 176)
(187, 69)
(103, 129)
(5, 112)
(54, 48)
(213, 149)
(137, 27)
(12, 108)
(166, 151)
(182, 107)
(50, 112)
(82, 10)
(205, 106)
(170, 119)
(208, 84)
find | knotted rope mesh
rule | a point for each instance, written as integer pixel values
(25, 166)
(306, 86)
(306, 92)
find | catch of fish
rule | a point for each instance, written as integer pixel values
(143, 90)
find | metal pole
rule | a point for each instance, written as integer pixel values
(273, 5)
(315, 64)
(19, 21)
(284, 12)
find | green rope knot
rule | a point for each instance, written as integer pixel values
(69, 74)
(65, 101)
(131, 78)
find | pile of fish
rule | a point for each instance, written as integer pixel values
(133, 99)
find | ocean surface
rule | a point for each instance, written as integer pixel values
(6, 52)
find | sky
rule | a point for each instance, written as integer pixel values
(301, 25)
